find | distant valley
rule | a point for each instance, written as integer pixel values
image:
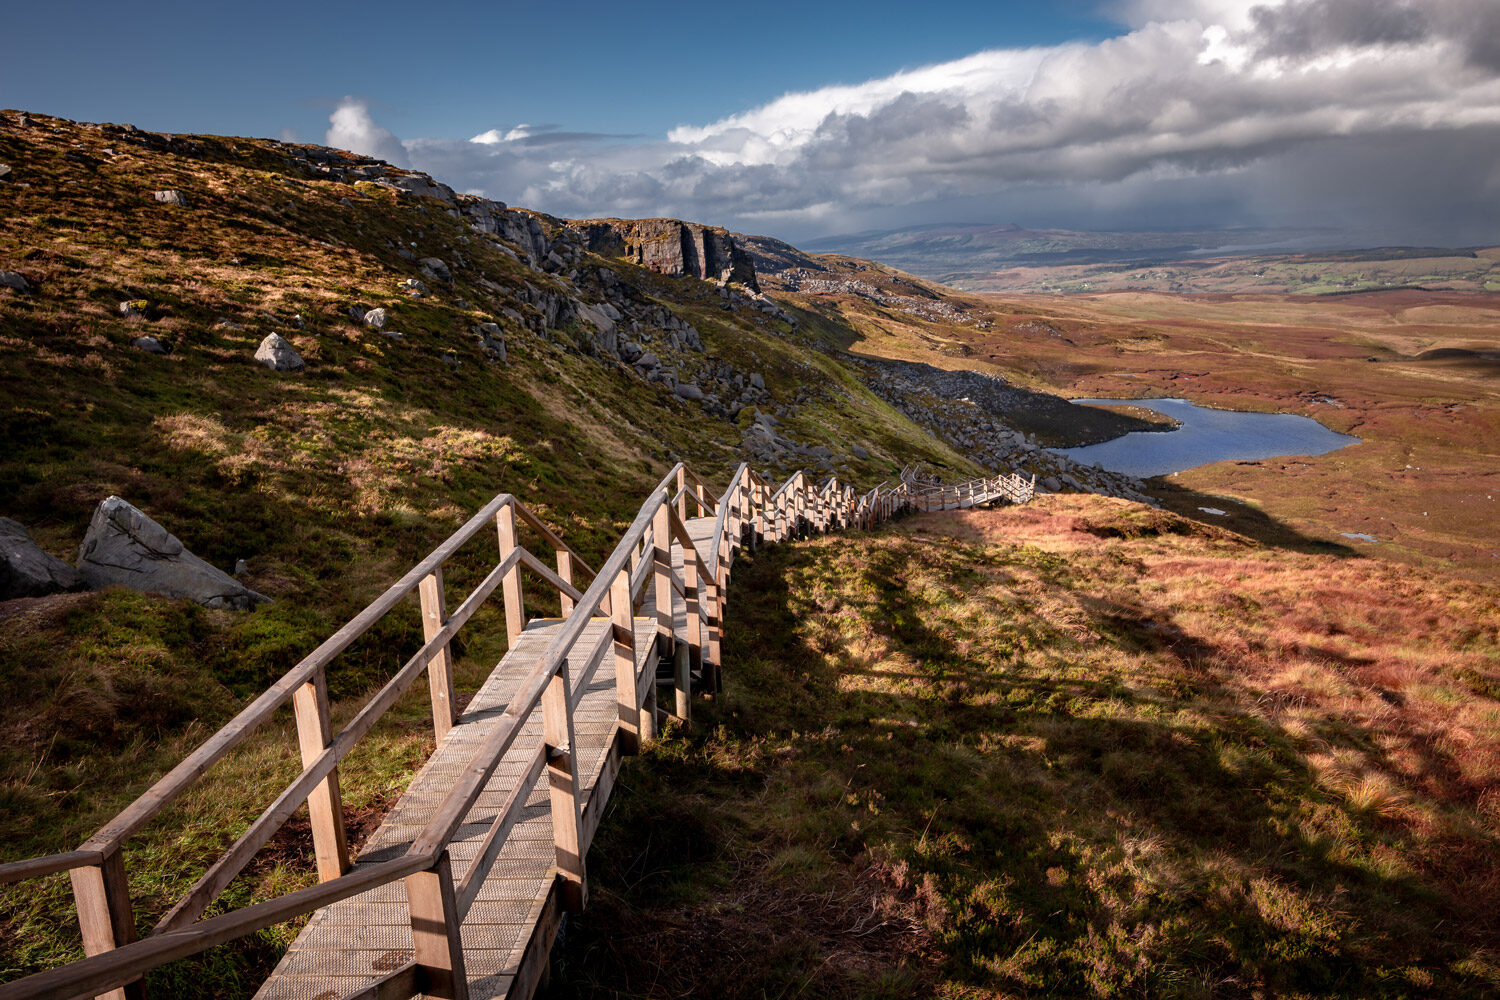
(1010, 258)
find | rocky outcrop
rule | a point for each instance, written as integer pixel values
(669, 246)
(973, 411)
(26, 569)
(124, 546)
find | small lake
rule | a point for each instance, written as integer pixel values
(1206, 436)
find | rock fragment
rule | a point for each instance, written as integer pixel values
(28, 570)
(124, 546)
(170, 198)
(278, 355)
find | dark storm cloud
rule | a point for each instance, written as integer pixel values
(1236, 109)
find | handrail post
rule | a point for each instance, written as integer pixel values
(515, 601)
(692, 656)
(562, 782)
(325, 806)
(627, 684)
(681, 496)
(714, 606)
(436, 943)
(565, 570)
(440, 667)
(105, 915)
(699, 494)
(661, 558)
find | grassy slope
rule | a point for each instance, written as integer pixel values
(1075, 749)
(1411, 373)
(330, 483)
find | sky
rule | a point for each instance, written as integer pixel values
(1376, 120)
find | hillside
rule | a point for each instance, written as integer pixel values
(1078, 748)
(450, 348)
(1066, 660)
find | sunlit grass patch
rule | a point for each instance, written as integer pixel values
(1163, 763)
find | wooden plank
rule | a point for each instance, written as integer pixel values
(105, 915)
(104, 972)
(49, 864)
(515, 602)
(562, 782)
(325, 806)
(661, 534)
(440, 666)
(551, 538)
(565, 575)
(532, 969)
(437, 948)
(622, 628)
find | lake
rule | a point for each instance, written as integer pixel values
(1206, 436)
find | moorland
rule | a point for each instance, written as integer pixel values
(1089, 746)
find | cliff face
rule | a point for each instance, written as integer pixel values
(669, 246)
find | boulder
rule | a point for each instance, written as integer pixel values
(688, 391)
(148, 344)
(420, 185)
(277, 355)
(26, 569)
(491, 341)
(630, 351)
(170, 198)
(375, 318)
(11, 279)
(124, 546)
(859, 452)
(757, 381)
(1052, 484)
(435, 269)
(129, 310)
(648, 361)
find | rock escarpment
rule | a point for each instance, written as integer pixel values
(669, 246)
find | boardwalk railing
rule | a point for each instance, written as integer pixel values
(930, 493)
(635, 584)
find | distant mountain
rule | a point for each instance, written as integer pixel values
(956, 251)
(1010, 258)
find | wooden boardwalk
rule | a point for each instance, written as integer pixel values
(355, 943)
(460, 891)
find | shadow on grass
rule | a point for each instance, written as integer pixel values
(1240, 517)
(1018, 813)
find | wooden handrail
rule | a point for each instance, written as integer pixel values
(99, 973)
(747, 501)
(163, 792)
(48, 864)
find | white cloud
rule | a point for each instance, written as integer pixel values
(1204, 99)
(351, 127)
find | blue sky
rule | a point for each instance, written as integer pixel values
(1378, 120)
(448, 68)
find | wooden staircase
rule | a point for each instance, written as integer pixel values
(460, 891)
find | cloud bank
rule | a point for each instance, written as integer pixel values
(1378, 117)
